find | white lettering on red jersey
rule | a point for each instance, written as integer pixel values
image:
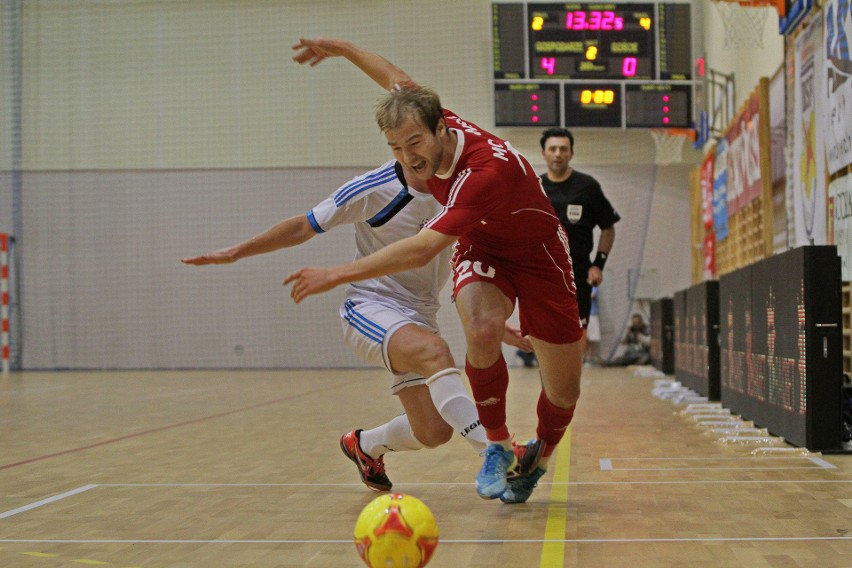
(491, 195)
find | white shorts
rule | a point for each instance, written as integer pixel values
(593, 329)
(368, 325)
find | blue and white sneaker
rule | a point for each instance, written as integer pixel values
(519, 489)
(491, 479)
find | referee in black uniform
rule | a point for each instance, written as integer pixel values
(581, 205)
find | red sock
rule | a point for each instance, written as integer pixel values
(552, 422)
(489, 392)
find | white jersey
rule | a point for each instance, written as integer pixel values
(384, 210)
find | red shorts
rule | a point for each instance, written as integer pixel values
(538, 277)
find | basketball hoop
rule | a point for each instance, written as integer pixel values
(669, 144)
(745, 20)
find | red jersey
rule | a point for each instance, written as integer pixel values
(492, 197)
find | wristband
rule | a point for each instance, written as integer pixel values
(600, 260)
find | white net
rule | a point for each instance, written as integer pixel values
(744, 24)
(669, 145)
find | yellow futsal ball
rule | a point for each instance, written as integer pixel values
(396, 531)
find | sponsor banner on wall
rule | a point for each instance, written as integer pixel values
(707, 191)
(840, 192)
(720, 188)
(837, 80)
(790, 107)
(743, 156)
(707, 215)
(778, 126)
(709, 256)
(809, 176)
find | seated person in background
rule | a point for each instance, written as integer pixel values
(637, 344)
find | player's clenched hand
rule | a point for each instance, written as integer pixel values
(595, 276)
(309, 281)
(224, 256)
(313, 51)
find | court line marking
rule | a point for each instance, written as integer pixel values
(553, 551)
(718, 468)
(466, 483)
(443, 541)
(715, 458)
(559, 491)
(170, 426)
(822, 463)
(605, 464)
(47, 501)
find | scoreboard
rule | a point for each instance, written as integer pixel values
(616, 65)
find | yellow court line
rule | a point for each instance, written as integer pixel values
(553, 551)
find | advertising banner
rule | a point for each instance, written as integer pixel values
(720, 191)
(840, 191)
(808, 182)
(837, 78)
(744, 183)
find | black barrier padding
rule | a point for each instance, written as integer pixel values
(781, 345)
(734, 335)
(682, 351)
(662, 335)
(696, 338)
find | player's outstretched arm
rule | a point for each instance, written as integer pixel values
(379, 69)
(290, 232)
(404, 254)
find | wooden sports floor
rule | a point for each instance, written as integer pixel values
(222, 468)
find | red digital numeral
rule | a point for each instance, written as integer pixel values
(594, 20)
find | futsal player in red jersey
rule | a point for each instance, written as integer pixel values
(509, 247)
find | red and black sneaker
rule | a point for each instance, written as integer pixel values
(528, 456)
(372, 471)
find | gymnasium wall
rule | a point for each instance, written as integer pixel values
(153, 130)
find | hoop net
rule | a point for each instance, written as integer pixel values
(669, 144)
(744, 22)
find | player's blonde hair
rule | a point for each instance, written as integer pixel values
(417, 102)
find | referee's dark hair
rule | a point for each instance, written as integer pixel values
(556, 132)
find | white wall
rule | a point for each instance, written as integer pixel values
(153, 130)
(746, 64)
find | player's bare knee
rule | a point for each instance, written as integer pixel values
(564, 397)
(565, 400)
(437, 353)
(485, 333)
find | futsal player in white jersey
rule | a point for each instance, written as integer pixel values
(390, 321)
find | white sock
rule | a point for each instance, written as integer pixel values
(456, 406)
(393, 436)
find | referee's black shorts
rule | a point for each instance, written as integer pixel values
(584, 293)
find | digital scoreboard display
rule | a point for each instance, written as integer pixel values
(593, 104)
(612, 65)
(521, 104)
(658, 105)
(592, 41)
